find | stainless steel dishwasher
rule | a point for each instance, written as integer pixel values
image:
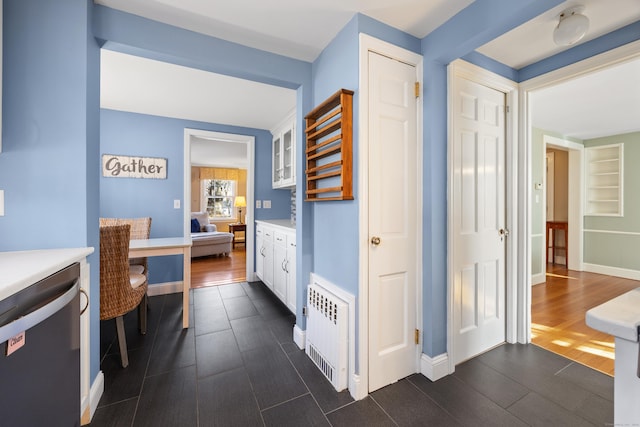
(40, 356)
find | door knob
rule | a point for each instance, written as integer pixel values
(375, 240)
(503, 232)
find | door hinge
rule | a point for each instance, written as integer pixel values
(417, 336)
(304, 311)
(417, 89)
(507, 109)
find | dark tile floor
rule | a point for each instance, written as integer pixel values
(238, 366)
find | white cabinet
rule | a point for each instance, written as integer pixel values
(264, 255)
(604, 180)
(290, 268)
(276, 260)
(279, 267)
(283, 154)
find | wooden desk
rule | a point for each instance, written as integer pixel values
(238, 227)
(168, 246)
(553, 226)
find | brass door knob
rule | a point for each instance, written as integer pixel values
(375, 240)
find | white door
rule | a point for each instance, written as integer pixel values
(478, 225)
(393, 220)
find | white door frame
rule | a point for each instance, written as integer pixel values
(371, 44)
(619, 55)
(456, 69)
(186, 197)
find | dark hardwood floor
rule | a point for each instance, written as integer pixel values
(558, 309)
(219, 270)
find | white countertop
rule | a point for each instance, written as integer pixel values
(286, 223)
(19, 270)
(619, 317)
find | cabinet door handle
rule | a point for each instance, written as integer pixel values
(284, 268)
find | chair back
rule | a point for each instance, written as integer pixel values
(140, 229)
(117, 297)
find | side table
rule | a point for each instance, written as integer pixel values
(237, 227)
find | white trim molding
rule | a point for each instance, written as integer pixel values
(299, 337)
(625, 273)
(95, 393)
(164, 288)
(627, 52)
(436, 367)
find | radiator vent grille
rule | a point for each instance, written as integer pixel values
(327, 334)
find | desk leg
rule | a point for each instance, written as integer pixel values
(186, 286)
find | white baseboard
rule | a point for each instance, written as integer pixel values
(612, 271)
(434, 368)
(536, 279)
(355, 388)
(95, 393)
(299, 337)
(164, 288)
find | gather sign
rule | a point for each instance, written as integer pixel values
(116, 166)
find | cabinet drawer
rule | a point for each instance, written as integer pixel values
(259, 231)
(291, 240)
(267, 234)
(280, 238)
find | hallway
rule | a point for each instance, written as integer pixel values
(237, 365)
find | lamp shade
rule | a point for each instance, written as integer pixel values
(571, 28)
(240, 202)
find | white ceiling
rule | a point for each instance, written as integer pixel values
(598, 104)
(140, 85)
(533, 40)
(302, 29)
(295, 28)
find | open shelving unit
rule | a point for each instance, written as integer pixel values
(329, 149)
(604, 180)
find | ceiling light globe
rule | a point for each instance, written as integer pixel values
(571, 29)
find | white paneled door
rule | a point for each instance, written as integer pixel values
(478, 225)
(393, 217)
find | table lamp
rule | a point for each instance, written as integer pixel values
(240, 202)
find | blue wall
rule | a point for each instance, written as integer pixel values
(50, 133)
(51, 118)
(153, 136)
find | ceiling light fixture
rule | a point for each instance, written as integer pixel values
(571, 28)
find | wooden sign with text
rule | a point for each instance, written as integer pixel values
(115, 166)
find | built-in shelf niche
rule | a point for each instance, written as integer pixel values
(604, 180)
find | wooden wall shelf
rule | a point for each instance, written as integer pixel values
(329, 149)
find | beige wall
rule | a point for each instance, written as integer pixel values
(561, 187)
(198, 173)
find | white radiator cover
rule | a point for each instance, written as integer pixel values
(327, 334)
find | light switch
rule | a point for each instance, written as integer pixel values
(258, 204)
(537, 198)
(267, 204)
(176, 204)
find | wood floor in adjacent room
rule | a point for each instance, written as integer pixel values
(219, 270)
(558, 309)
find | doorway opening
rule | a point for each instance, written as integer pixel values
(212, 160)
(561, 293)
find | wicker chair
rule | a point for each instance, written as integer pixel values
(120, 291)
(140, 229)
